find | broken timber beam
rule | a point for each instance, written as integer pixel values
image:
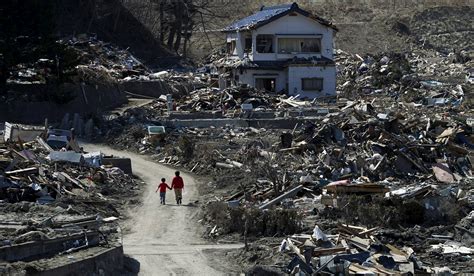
(278, 199)
(328, 251)
(27, 170)
(44, 144)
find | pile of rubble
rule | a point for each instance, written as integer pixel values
(363, 141)
(35, 172)
(422, 78)
(231, 102)
(77, 59)
(392, 157)
(232, 99)
(354, 250)
(380, 163)
(57, 203)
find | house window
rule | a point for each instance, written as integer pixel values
(248, 44)
(231, 47)
(268, 84)
(312, 84)
(265, 43)
(299, 45)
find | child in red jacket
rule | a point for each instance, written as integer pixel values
(178, 186)
(162, 187)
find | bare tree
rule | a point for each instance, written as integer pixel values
(174, 22)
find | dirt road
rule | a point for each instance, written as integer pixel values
(165, 239)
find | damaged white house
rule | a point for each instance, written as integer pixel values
(281, 48)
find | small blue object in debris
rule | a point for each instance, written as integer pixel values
(153, 130)
(46, 199)
(233, 203)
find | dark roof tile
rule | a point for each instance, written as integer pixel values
(268, 14)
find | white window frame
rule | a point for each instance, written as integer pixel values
(300, 36)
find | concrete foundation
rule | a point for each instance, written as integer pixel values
(39, 249)
(108, 261)
(281, 119)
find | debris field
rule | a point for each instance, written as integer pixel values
(61, 204)
(384, 172)
(374, 178)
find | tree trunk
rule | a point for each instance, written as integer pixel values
(205, 31)
(185, 46)
(162, 21)
(187, 35)
(179, 24)
(171, 35)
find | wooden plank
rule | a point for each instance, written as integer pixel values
(74, 145)
(278, 199)
(355, 268)
(20, 155)
(344, 244)
(72, 180)
(368, 231)
(328, 251)
(364, 243)
(44, 144)
(27, 171)
(295, 249)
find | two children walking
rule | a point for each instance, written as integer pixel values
(177, 184)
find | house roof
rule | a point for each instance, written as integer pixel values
(269, 14)
(266, 64)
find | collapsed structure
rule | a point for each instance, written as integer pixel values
(59, 207)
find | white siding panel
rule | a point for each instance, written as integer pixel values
(328, 74)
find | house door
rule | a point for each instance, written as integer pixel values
(269, 84)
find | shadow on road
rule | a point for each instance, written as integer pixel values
(131, 266)
(182, 205)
